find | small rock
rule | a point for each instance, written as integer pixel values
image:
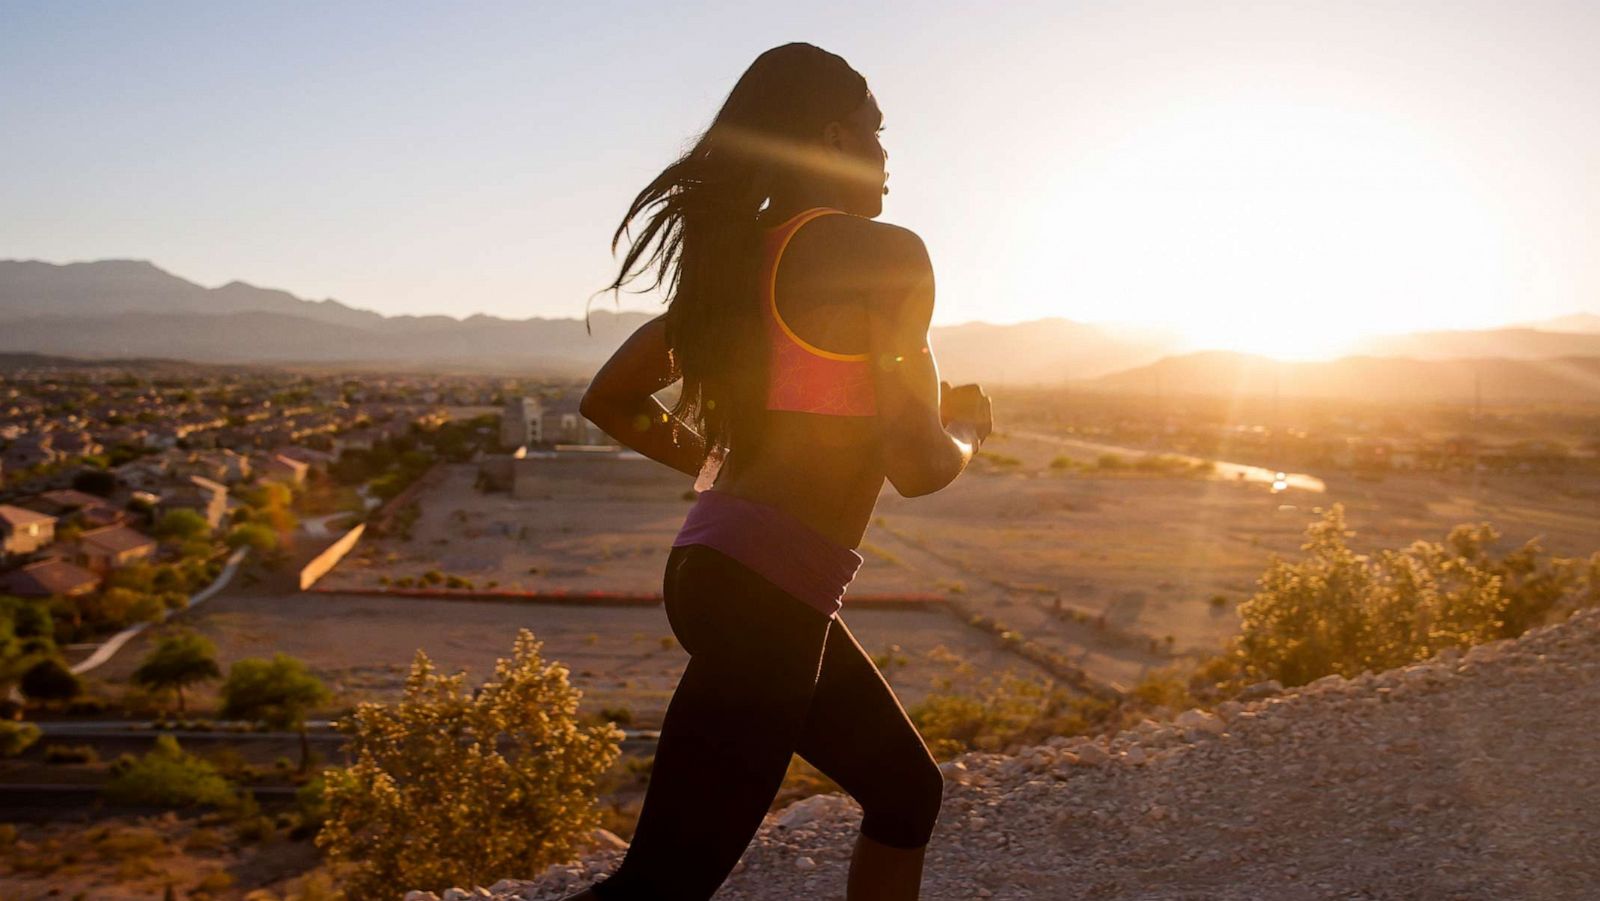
(1201, 720)
(807, 810)
(1092, 755)
(1261, 690)
(804, 863)
(1332, 680)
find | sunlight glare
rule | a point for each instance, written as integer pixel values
(1265, 226)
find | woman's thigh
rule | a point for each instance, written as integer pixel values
(730, 728)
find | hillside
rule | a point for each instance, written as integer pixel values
(122, 308)
(130, 308)
(1044, 351)
(1575, 322)
(1374, 378)
(1464, 777)
(1512, 343)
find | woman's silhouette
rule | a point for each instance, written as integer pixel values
(805, 385)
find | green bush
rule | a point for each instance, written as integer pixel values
(50, 680)
(182, 525)
(168, 776)
(256, 536)
(17, 737)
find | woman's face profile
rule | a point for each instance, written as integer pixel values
(866, 174)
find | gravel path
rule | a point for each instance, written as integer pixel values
(1472, 776)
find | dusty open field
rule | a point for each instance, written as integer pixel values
(1147, 554)
(574, 536)
(363, 646)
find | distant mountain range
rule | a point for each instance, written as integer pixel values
(1223, 373)
(133, 309)
(1577, 322)
(129, 308)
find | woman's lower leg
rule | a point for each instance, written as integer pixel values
(880, 872)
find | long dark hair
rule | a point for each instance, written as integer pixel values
(701, 235)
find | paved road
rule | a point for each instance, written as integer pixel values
(114, 643)
(1225, 470)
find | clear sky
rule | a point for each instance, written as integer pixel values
(1270, 176)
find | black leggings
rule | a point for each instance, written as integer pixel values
(768, 677)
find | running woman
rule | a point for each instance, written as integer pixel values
(799, 327)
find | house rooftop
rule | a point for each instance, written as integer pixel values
(14, 517)
(48, 577)
(116, 538)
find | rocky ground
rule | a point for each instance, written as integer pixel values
(1469, 776)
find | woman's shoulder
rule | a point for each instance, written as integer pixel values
(867, 244)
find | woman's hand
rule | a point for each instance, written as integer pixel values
(966, 403)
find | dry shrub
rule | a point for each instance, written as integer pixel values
(450, 788)
(1006, 713)
(1336, 611)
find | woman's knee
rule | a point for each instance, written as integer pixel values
(905, 816)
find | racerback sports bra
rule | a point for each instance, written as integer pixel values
(805, 378)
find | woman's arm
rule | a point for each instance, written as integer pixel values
(621, 402)
(922, 450)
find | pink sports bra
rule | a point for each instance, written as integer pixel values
(806, 378)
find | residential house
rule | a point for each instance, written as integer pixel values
(313, 459)
(143, 474)
(70, 505)
(113, 547)
(24, 531)
(200, 494)
(279, 468)
(356, 439)
(50, 577)
(28, 451)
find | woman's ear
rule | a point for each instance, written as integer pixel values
(833, 135)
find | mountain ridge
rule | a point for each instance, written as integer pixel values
(133, 308)
(122, 308)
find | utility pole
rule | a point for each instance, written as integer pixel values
(1477, 413)
(1277, 424)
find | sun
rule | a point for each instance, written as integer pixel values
(1266, 225)
(1282, 333)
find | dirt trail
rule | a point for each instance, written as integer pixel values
(1465, 777)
